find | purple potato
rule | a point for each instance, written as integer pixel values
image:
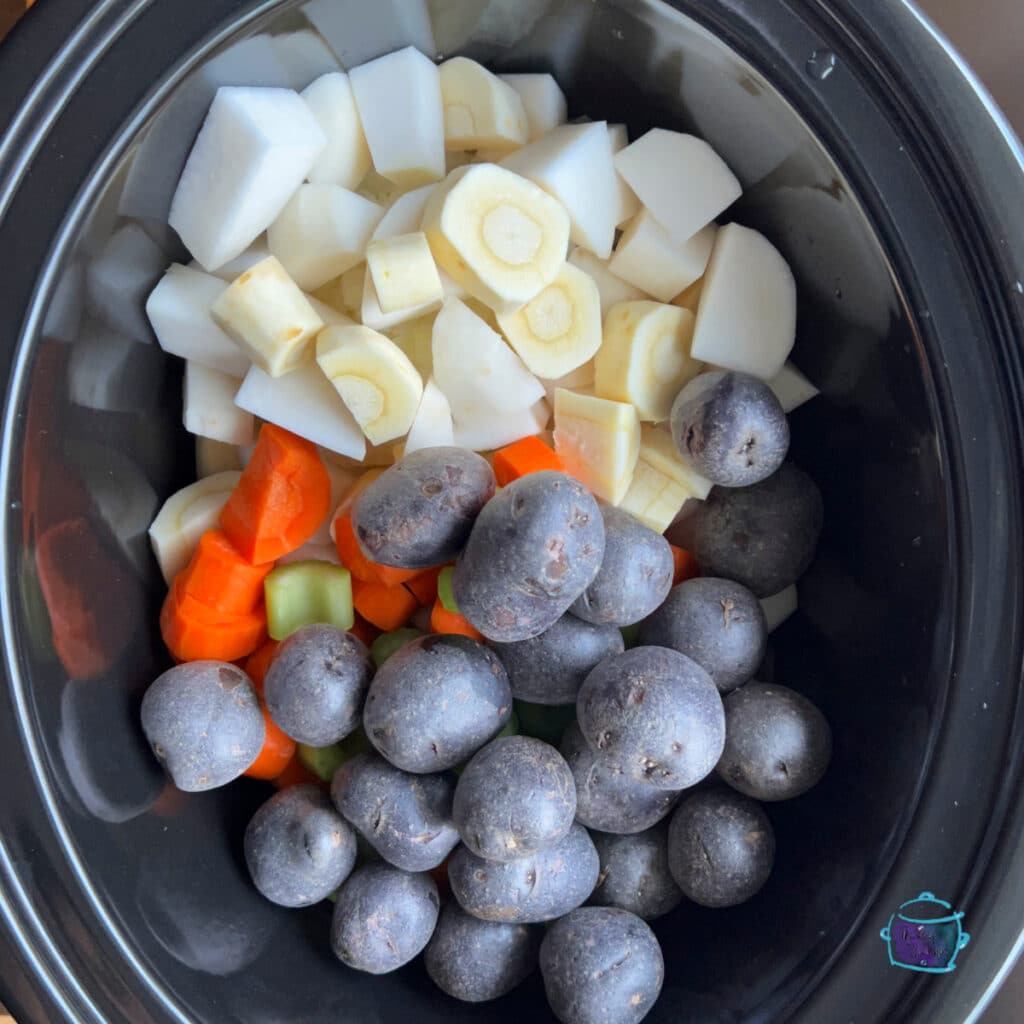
(298, 848)
(717, 623)
(777, 744)
(656, 714)
(730, 428)
(204, 723)
(535, 547)
(435, 702)
(601, 965)
(406, 818)
(607, 798)
(538, 887)
(635, 575)
(721, 848)
(316, 684)
(419, 512)
(551, 667)
(476, 960)
(516, 796)
(383, 918)
(634, 873)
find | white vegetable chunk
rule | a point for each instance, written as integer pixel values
(270, 318)
(779, 607)
(680, 179)
(121, 276)
(488, 432)
(480, 110)
(304, 402)
(478, 373)
(746, 319)
(399, 102)
(373, 316)
(358, 31)
(574, 163)
(543, 101)
(792, 388)
(628, 204)
(432, 426)
(210, 409)
(404, 215)
(322, 232)
(254, 150)
(345, 159)
(304, 55)
(612, 289)
(403, 271)
(648, 259)
(179, 310)
(185, 516)
(257, 252)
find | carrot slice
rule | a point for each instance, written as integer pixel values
(281, 500)
(444, 621)
(192, 631)
(352, 557)
(258, 662)
(278, 750)
(220, 578)
(385, 607)
(530, 455)
(364, 631)
(685, 565)
(424, 586)
(296, 773)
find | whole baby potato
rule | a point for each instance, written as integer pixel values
(539, 887)
(535, 547)
(419, 513)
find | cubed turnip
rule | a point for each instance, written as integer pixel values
(345, 159)
(432, 426)
(487, 431)
(255, 148)
(209, 406)
(256, 253)
(543, 101)
(792, 388)
(628, 204)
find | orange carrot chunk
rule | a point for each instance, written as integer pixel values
(386, 607)
(444, 621)
(193, 632)
(352, 557)
(530, 455)
(258, 662)
(296, 773)
(220, 578)
(278, 750)
(424, 586)
(685, 565)
(281, 500)
(364, 631)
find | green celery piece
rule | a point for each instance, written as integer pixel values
(387, 643)
(445, 592)
(630, 634)
(301, 593)
(325, 761)
(545, 721)
(511, 728)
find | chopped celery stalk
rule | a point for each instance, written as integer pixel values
(387, 643)
(301, 593)
(333, 896)
(444, 590)
(544, 721)
(630, 634)
(511, 729)
(325, 761)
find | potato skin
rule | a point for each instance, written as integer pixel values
(539, 887)
(550, 668)
(476, 960)
(406, 818)
(655, 713)
(607, 798)
(435, 702)
(515, 797)
(635, 575)
(635, 874)
(536, 546)
(601, 965)
(419, 512)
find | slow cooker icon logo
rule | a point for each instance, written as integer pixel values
(925, 935)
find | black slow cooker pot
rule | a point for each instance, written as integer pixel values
(878, 166)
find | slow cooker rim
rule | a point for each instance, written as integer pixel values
(37, 33)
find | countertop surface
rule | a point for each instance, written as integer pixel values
(990, 35)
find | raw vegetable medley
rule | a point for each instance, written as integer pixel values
(447, 634)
